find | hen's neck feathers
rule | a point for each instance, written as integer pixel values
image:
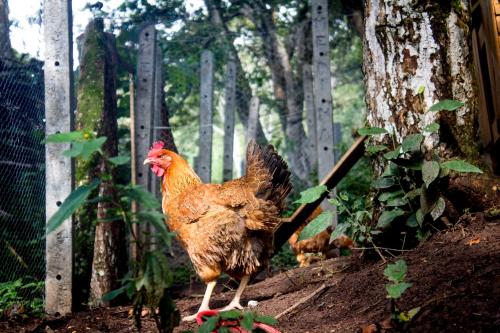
(178, 177)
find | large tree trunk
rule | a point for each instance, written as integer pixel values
(97, 112)
(5, 46)
(410, 46)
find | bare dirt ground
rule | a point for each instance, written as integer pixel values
(455, 277)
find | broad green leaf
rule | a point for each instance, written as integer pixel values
(406, 316)
(396, 202)
(320, 223)
(119, 160)
(423, 235)
(461, 166)
(266, 320)
(139, 194)
(375, 149)
(432, 128)
(74, 201)
(446, 105)
(430, 171)
(420, 216)
(397, 289)
(391, 169)
(438, 208)
(339, 230)
(413, 193)
(64, 137)
(91, 146)
(75, 150)
(114, 293)
(247, 321)
(371, 131)
(396, 272)
(393, 154)
(384, 196)
(344, 196)
(384, 182)
(388, 216)
(311, 194)
(209, 325)
(412, 143)
(412, 221)
(231, 314)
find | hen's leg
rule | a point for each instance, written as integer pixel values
(204, 303)
(235, 303)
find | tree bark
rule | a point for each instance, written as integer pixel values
(410, 46)
(5, 46)
(97, 112)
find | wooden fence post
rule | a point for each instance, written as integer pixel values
(322, 90)
(230, 95)
(307, 80)
(157, 107)
(59, 169)
(253, 119)
(143, 121)
(204, 162)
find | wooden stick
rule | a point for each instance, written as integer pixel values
(301, 301)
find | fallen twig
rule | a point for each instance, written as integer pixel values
(301, 301)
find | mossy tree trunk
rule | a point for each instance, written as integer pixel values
(417, 53)
(97, 115)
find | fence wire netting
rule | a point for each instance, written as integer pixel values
(22, 167)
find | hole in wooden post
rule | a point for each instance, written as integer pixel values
(227, 156)
(146, 34)
(144, 80)
(205, 96)
(319, 7)
(139, 174)
(57, 314)
(325, 148)
(56, 63)
(323, 100)
(228, 127)
(322, 54)
(58, 203)
(57, 132)
(58, 276)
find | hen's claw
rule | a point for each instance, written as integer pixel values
(232, 306)
(190, 318)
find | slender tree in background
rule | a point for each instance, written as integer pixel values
(5, 46)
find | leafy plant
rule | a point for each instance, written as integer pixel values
(148, 281)
(235, 321)
(21, 298)
(396, 274)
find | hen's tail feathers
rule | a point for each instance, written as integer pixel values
(267, 169)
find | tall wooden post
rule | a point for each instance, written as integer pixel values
(204, 162)
(230, 93)
(322, 90)
(59, 169)
(253, 119)
(307, 83)
(157, 107)
(145, 101)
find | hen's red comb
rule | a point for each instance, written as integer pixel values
(158, 145)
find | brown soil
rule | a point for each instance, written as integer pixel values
(455, 276)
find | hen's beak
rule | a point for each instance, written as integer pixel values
(148, 161)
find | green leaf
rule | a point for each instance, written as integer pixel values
(438, 208)
(119, 160)
(412, 221)
(446, 105)
(385, 196)
(432, 128)
(91, 146)
(460, 166)
(371, 131)
(114, 293)
(247, 321)
(231, 314)
(384, 182)
(388, 216)
(396, 202)
(320, 223)
(397, 289)
(430, 171)
(311, 194)
(268, 320)
(375, 149)
(74, 200)
(406, 316)
(413, 193)
(423, 235)
(136, 192)
(391, 169)
(396, 272)
(223, 329)
(75, 150)
(420, 216)
(393, 154)
(412, 143)
(339, 230)
(209, 325)
(64, 137)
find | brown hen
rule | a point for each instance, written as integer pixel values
(225, 228)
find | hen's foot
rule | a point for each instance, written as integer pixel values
(232, 306)
(190, 318)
